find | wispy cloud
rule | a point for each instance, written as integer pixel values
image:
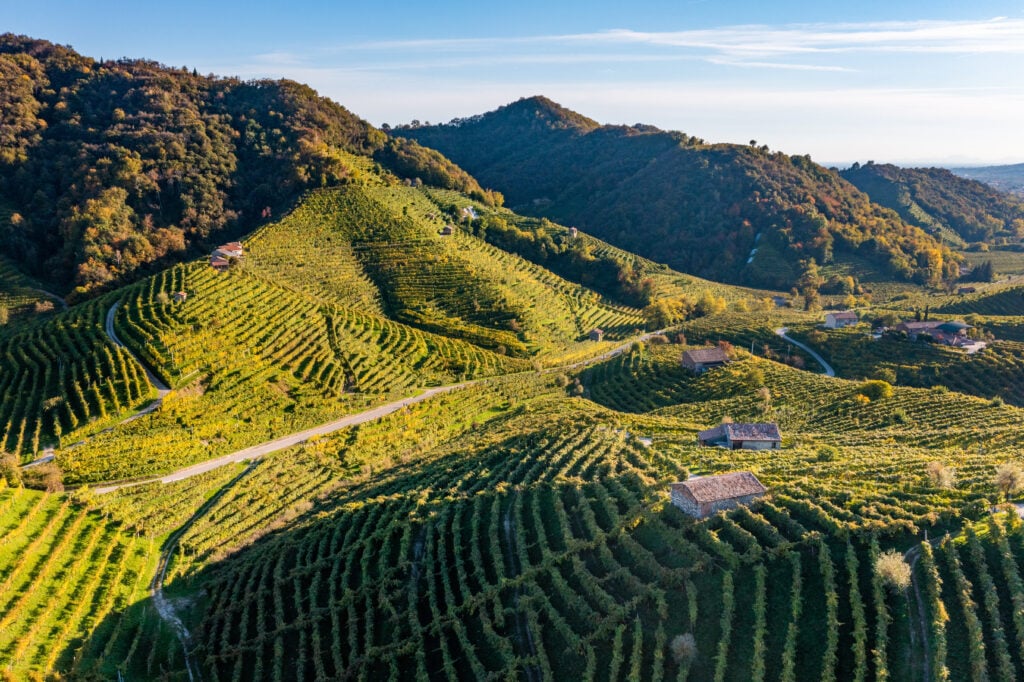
(734, 45)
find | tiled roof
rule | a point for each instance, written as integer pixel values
(769, 431)
(706, 355)
(722, 487)
(844, 315)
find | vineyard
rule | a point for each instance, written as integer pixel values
(20, 297)
(250, 361)
(65, 573)
(544, 548)
(62, 378)
(997, 371)
(517, 526)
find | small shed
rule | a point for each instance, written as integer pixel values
(447, 231)
(756, 436)
(703, 496)
(180, 296)
(219, 263)
(573, 233)
(700, 360)
(596, 334)
(840, 319)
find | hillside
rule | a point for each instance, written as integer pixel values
(956, 209)
(733, 213)
(509, 529)
(109, 166)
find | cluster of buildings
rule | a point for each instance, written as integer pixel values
(220, 259)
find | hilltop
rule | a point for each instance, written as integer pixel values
(957, 209)
(107, 167)
(734, 213)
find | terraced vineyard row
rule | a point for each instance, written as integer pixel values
(550, 553)
(62, 378)
(19, 296)
(1005, 301)
(998, 370)
(252, 361)
(819, 409)
(67, 573)
(980, 587)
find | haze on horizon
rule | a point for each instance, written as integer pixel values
(912, 83)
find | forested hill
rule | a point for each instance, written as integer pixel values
(106, 166)
(702, 208)
(938, 200)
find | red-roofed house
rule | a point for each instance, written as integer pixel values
(840, 319)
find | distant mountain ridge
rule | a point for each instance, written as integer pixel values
(938, 200)
(730, 212)
(1009, 178)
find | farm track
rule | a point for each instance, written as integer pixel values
(256, 451)
(164, 607)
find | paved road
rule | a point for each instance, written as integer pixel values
(257, 451)
(821, 361)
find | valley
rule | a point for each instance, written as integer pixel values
(369, 422)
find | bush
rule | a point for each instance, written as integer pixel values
(827, 453)
(875, 389)
(940, 475)
(893, 570)
(1009, 479)
(684, 648)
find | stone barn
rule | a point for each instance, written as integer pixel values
(838, 320)
(701, 360)
(704, 496)
(758, 436)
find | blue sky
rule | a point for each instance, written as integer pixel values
(909, 82)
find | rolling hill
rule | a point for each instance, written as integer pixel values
(957, 209)
(381, 444)
(734, 213)
(107, 167)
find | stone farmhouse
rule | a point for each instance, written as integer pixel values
(700, 360)
(840, 319)
(704, 496)
(763, 436)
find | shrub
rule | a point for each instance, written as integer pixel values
(875, 389)
(1009, 479)
(893, 570)
(684, 648)
(940, 475)
(827, 453)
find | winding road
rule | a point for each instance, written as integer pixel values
(781, 331)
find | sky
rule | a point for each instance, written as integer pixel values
(916, 82)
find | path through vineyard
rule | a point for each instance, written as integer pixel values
(916, 612)
(165, 607)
